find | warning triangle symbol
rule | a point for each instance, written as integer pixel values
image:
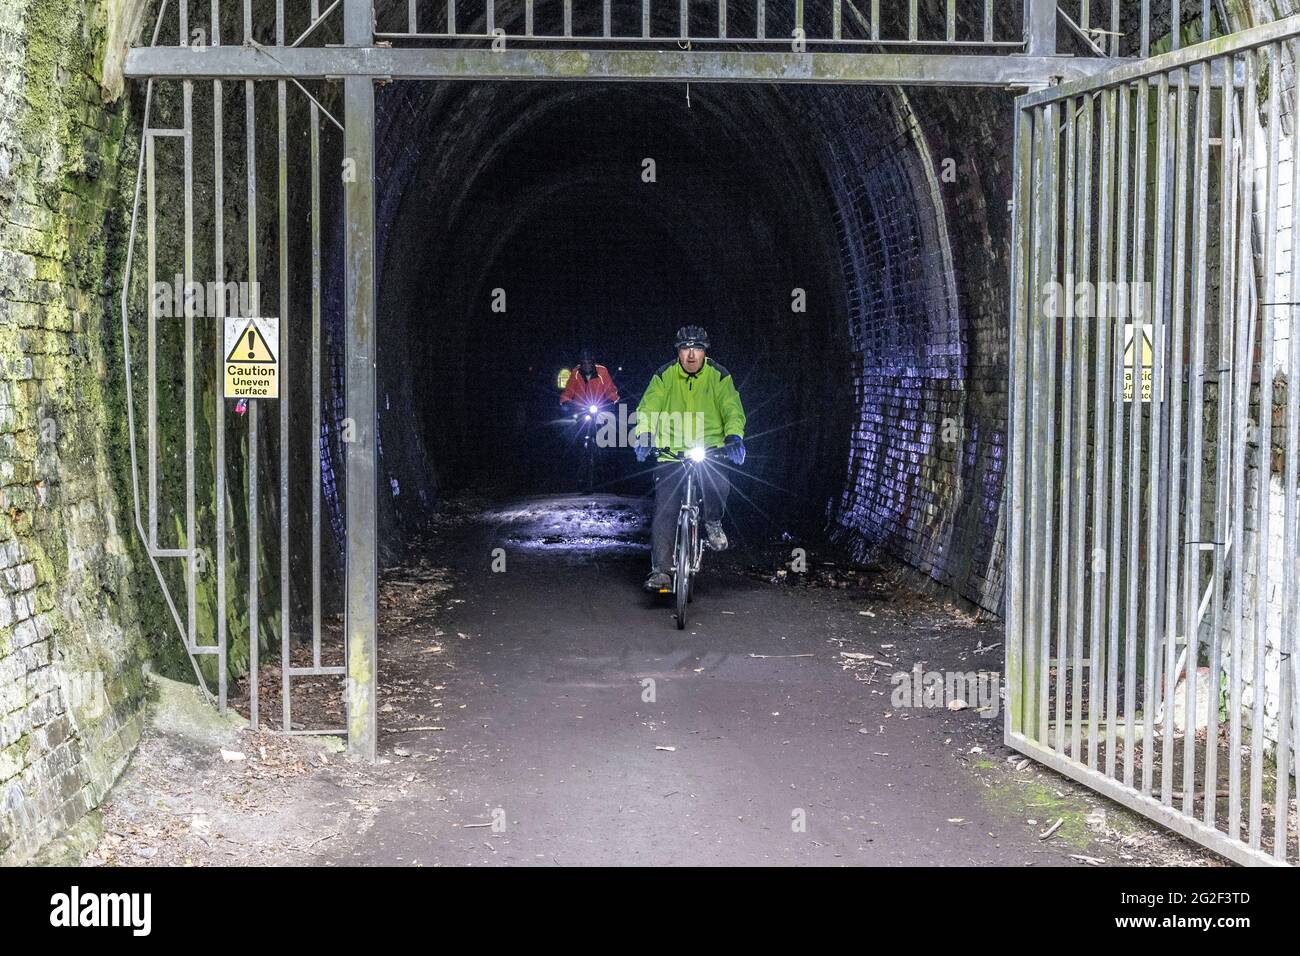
(1133, 344)
(251, 347)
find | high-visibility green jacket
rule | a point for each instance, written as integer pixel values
(682, 411)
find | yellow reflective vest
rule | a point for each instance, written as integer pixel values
(683, 411)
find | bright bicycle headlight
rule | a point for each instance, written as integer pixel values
(696, 454)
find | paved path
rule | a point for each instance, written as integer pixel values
(546, 725)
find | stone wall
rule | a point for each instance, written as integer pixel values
(71, 642)
(927, 315)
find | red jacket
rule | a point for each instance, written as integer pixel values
(601, 390)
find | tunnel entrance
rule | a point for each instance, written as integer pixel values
(823, 258)
(637, 212)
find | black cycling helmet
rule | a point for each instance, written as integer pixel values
(692, 336)
(586, 359)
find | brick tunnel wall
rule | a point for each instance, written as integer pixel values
(927, 311)
(71, 643)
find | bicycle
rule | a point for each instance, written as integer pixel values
(588, 419)
(688, 547)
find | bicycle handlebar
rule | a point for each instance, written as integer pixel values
(714, 452)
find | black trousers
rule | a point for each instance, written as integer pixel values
(670, 488)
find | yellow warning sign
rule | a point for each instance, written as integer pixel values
(252, 357)
(1137, 354)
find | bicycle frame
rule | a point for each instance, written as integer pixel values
(691, 504)
(687, 555)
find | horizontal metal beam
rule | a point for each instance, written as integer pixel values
(1152, 67)
(1175, 820)
(650, 66)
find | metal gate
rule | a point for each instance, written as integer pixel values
(1152, 560)
(929, 42)
(185, 310)
(1146, 214)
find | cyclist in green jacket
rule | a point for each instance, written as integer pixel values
(690, 402)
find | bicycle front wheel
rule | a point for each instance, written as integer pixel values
(683, 579)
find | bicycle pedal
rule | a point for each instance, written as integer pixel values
(665, 590)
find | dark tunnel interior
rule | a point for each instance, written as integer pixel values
(844, 245)
(603, 217)
(520, 223)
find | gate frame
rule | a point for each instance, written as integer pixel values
(360, 63)
(1027, 187)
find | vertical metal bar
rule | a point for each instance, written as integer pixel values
(1267, 374)
(875, 19)
(315, 386)
(1289, 677)
(1064, 603)
(951, 21)
(722, 18)
(606, 17)
(1097, 326)
(254, 650)
(1155, 477)
(490, 18)
(837, 17)
(410, 17)
(1144, 30)
(528, 18)
(1205, 20)
(1048, 273)
(1175, 23)
(451, 16)
(218, 380)
(911, 20)
(361, 582)
(798, 18)
(1140, 309)
(1114, 27)
(1241, 409)
(568, 17)
(1223, 399)
(683, 18)
(1080, 494)
(1116, 446)
(1196, 425)
(1033, 479)
(1021, 217)
(286, 391)
(191, 538)
(645, 18)
(1175, 548)
(760, 18)
(151, 358)
(1040, 27)
(988, 21)
(191, 545)
(1083, 15)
